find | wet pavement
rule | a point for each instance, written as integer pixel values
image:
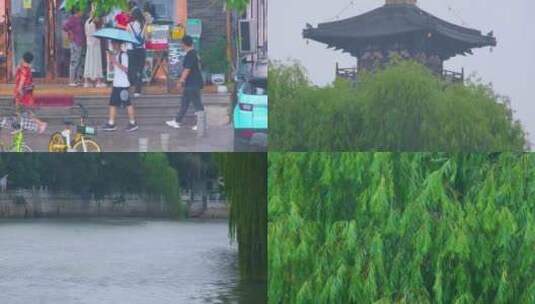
(151, 115)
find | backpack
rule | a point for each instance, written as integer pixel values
(121, 57)
(139, 36)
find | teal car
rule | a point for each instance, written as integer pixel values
(251, 115)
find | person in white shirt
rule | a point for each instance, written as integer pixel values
(120, 96)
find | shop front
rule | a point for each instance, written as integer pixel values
(36, 26)
(33, 26)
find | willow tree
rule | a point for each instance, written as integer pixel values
(401, 228)
(245, 178)
(161, 179)
(404, 107)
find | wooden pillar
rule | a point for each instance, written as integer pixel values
(3, 40)
(181, 11)
(9, 62)
(50, 43)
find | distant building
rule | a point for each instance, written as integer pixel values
(399, 29)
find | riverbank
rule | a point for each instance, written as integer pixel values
(39, 203)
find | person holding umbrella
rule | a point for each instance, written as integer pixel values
(120, 96)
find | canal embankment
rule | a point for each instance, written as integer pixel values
(42, 202)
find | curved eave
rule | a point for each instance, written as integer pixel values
(392, 21)
(456, 45)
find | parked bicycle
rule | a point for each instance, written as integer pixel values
(16, 123)
(81, 141)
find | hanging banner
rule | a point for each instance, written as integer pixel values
(158, 37)
(27, 4)
(149, 65)
(175, 59)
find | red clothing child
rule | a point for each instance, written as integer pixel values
(24, 90)
(24, 86)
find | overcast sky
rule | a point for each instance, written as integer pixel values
(510, 66)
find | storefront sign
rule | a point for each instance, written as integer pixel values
(158, 37)
(149, 64)
(27, 4)
(175, 60)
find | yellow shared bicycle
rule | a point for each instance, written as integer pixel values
(80, 141)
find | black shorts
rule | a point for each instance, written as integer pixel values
(120, 97)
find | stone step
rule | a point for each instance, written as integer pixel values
(219, 98)
(150, 110)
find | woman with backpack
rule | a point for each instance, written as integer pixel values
(136, 52)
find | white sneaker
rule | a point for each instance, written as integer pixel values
(195, 128)
(173, 124)
(73, 84)
(137, 94)
(101, 85)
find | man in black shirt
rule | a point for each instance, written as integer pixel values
(192, 82)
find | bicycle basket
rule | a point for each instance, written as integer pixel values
(85, 130)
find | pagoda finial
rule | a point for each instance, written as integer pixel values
(413, 2)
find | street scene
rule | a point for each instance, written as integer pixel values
(128, 76)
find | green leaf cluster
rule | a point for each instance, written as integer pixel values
(401, 108)
(245, 180)
(158, 174)
(104, 6)
(401, 228)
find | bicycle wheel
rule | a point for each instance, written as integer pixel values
(57, 143)
(24, 148)
(90, 145)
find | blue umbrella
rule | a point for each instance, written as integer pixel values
(116, 34)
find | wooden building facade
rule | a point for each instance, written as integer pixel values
(35, 25)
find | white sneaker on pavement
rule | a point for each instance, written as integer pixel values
(173, 124)
(195, 128)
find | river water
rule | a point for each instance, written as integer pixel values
(121, 261)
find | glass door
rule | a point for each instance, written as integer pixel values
(28, 25)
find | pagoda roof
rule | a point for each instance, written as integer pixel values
(391, 22)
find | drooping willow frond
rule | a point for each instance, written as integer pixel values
(401, 228)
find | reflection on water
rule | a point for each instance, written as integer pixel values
(121, 261)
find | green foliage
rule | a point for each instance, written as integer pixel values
(214, 58)
(100, 174)
(104, 6)
(401, 228)
(162, 179)
(402, 108)
(246, 187)
(101, 6)
(239, 5)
